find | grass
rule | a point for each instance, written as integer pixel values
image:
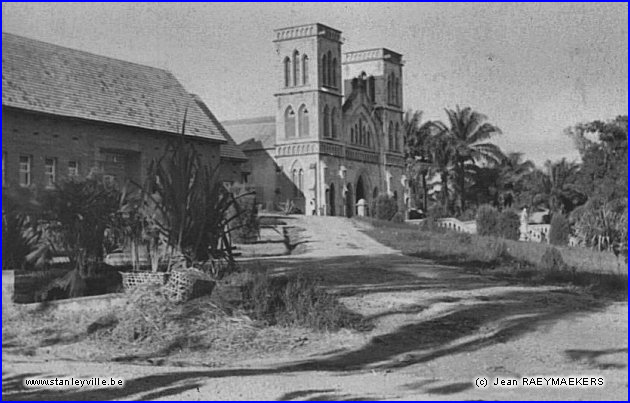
(276, 315)
(519, 260)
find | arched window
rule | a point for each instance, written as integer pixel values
(326, 121)
(397, 138)
(287, 72)
(357, 134)
(389, 89)
(329, 68)
(398, 91)
(303, 127)
(301, 181)
(305, 69)
(390, 136)
(296, 68)
(352, 135)
(325, 70)
(369, 138)
(333, 73)
(333, 123)
(289, 123)
(371, 88)
(294, 179)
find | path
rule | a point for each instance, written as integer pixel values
(438, 329)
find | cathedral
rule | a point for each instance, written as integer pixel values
(336, 142)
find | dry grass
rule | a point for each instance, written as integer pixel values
(598, 270)
(152, 328)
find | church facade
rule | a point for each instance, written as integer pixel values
(336, 141)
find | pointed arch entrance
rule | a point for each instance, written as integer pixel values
(331, 199)
(349, 201)
(361, 194)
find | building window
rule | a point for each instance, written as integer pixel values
(324, 70)
(296, 68)
(329, 68)
(390, 136)
(333, 123)
(333, 73)
(398, 91)
(50, 172)
(301, 181)
(304, 69)
(294, 181)
(73, 169)
(25, 170)
(326, 121)
(371, 89)
(352, 135)
(303, 121)
(397, 138)
(287, 72)
(289, 123)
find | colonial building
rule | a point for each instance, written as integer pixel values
(68, 113)
(336, 140)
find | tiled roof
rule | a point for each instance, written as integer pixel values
(253, 134)
(42, 77)
(229, 150)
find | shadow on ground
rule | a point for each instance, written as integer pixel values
(492, 313)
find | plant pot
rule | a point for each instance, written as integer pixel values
(135, 278)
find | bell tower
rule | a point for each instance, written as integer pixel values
(309, 83)
(308, 109)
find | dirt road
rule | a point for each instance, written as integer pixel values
(438, 330)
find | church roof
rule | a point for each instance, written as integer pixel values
(46, 78)
(253, 134)
(229, 150)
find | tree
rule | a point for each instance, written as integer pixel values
(556, 187)
(603, 147)
(467, 131)
(443, 157)
(418, 136)
(512, 173)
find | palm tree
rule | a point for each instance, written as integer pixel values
(417, 142)
(512, 173)
(468, 130)
(442, 152)
(556, 187)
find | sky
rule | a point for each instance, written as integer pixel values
(532, 68)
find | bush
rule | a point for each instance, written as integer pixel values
(487, 220)
(296, 300)
(398, 218)
(508, 225)
(385, 207)
(552, 260)
(560, 231)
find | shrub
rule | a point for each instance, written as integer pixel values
(508, 225)
(385, 207)
(398, 218)
(246, 224)
(559, 231)
(552, 260)
(487, 220)
(296, 300)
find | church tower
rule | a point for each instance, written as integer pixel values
(308, 111)
(381, 71)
